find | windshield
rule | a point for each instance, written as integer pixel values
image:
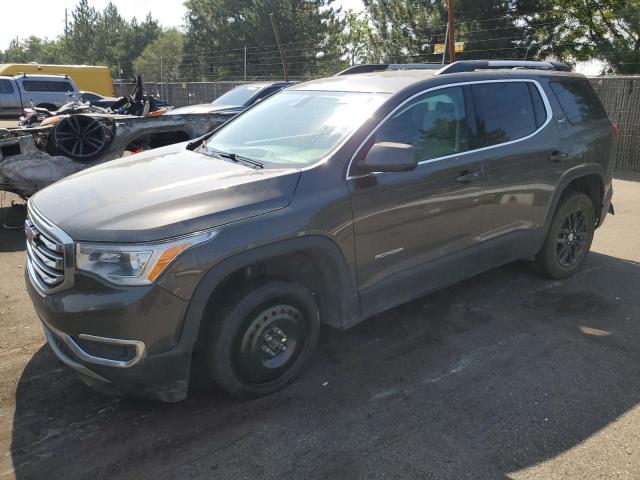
(296, 127)
(238, 95)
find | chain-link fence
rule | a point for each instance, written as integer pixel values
(180, 94)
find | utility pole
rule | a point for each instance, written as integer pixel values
(446, 41)
(451, 39)
(284, 60)
(66, 23)
(245, 63)
(161, 77)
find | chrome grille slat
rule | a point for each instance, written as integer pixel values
(49, 254)
(48, 243)
(55, 263)
(48, 280)
(45, 257)
(41, 265)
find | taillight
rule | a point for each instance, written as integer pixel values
(616, 131)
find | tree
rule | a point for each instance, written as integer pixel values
(33, 49)
(582, 30)
(94, 38)
(355, 39)
(80, 41)
(406, 30)
(15, 53)
(161, 59)
(218, 30)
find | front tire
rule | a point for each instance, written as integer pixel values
(263, 338)
(569, 238)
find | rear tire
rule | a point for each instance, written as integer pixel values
(263, 338)
(569, 238)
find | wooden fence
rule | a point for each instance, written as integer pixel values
(620, 96)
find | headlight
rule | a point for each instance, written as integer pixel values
(134, 264)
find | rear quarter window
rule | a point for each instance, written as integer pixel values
(578, 100)
(506, 111)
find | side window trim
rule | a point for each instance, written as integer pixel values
(543, 94)
(473, 120)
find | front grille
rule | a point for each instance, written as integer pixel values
(45, 257)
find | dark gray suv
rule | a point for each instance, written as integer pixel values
(327, 203)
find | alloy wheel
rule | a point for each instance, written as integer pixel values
(572, 238)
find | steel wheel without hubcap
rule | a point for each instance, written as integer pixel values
(270, 343)
(572, 238)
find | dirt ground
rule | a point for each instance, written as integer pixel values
(7, 123)
(506, 375)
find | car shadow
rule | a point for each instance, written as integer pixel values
(12, 215)
(485, 378)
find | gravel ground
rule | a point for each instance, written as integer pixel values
(506, 375)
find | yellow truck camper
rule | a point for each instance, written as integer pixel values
(86, 77)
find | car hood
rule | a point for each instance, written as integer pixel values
(161, 193)
(203, 108)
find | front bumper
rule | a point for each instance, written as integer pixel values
(119, 340)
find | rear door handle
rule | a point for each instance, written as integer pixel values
(557, 156)
(467, 176)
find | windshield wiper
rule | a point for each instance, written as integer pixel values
(235, 157)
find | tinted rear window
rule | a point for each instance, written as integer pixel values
(46, 86)
(505, 111)
(5, 86)
(578, 100)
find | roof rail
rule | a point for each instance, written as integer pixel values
(471, 65)
(380, 67)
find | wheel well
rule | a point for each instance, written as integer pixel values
(148, 141)
(590, 185)
(314, 269)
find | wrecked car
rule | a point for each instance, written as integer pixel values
(31, 159)
(83, 136)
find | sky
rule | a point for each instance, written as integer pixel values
(45, 18)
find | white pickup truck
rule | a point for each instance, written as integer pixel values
(46, 91)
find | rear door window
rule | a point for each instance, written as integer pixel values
(506, 111)
(5, 86)
(578, 100)
(434, 123)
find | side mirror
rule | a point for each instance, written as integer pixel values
(390, 157)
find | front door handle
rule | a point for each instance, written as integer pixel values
(557, 156)
(467, 176)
